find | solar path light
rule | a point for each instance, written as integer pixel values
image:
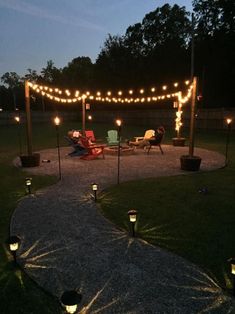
(28, 183)
(132, 218)
(14, 243)
(70, 300)
(94, 189)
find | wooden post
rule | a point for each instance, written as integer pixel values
(83, 114)
(28, 119)
(192, 120)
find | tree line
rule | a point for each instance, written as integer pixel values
(156, 51)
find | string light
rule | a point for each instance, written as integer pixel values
(52, 93)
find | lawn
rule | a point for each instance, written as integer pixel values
(172, 213)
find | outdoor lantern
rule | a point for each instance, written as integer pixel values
(28, 183)
(94, 189)
(232, 263)
(14, 243)
(89, 117)
(17, 118)
(70, 300)
(132, 217)
(119, 122)
(229, 122)
(57, 121)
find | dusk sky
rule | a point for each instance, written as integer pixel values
(35, 31)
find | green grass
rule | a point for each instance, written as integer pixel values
(172, 212)
(175, 216)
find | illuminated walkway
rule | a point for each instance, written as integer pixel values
(67, 244)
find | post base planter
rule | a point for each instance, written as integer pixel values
(178, 141)
(30, 160)
(190, 163)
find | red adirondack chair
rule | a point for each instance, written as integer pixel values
(93, 150)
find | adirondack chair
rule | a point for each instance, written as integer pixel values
(90, 134)
(112, 137)
(79, 150)
(148, 134)
(93, 150)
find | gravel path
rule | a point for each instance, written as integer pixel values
(68, 244)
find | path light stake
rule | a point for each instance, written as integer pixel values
(14, 243)
(94, 189)
(28, 183)
(57, 123)
(232, 263)
(17, 119)
(132, 217)
(119, 124)
(70, 300)
(228, 121)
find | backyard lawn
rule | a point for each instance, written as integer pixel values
(172, 212)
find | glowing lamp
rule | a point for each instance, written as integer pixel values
(14, 243)
(94, 187)
(164, 87)
(70, 300)
(229, 121)
(119, 122)
(232, 263)
(89, 117)
(17, 119)
(28, 183)
(132, 215)
(132, 218)
(57, 121)
(176, 84)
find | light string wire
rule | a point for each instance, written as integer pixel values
(56, 94)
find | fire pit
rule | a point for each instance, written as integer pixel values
(113, 150)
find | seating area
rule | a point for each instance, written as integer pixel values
(87, 148)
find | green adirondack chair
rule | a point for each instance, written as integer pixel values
(112, 137)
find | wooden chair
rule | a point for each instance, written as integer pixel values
(112, 138)
(156, 142)
(148, 134)
(90, 134)
(93, 150)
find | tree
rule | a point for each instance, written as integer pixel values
(79, 73)
(31, 76)
(215, 50)
(50, 73)
(12, 80)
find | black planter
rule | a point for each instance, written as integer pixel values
(178, 141)
(190, 163)
(30, 160)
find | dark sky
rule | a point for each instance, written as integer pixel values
(35, 31)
